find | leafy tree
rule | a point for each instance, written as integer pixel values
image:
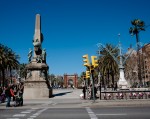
(107, 65)
(51, 79)
(8, 61)
(81, 79)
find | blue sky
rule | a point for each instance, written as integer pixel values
(71, 28)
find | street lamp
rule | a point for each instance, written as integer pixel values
(19, 78)
(99, 82)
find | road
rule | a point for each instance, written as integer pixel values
(66, 104)
(77, 113)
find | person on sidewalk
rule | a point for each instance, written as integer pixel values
(15, 89)
(72, 86)
(116, 86)
(21, 91)
(2, 95)
(9, 93)
(112, 87)
(84, 92)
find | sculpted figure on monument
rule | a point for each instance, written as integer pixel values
(44, 55)
(39, 59)
(29, 55)
(29, 73)
(36, 43)
(42, 73)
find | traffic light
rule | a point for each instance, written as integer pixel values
(86, 60)
(94, 61)
(87, 74)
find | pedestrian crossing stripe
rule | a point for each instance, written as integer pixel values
(19, 115)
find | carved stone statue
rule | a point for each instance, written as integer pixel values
(39, 59)
(30, 55)
(36, 43)
(44, 55)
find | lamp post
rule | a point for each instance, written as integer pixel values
(99, 82)
(122, 83)
(19, 78)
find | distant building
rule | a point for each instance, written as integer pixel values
(70, 80)
(131, 68)
(145, 62)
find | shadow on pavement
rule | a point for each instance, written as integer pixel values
(61, 94)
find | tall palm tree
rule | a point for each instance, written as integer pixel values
(8, 61)
(2, 63)
(137, 26)
(107, 65)
(12, 61)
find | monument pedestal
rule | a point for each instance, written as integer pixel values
(37, 85)
(36, 90)
(122, 83)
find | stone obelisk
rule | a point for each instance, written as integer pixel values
(122, 83)
(37, 84)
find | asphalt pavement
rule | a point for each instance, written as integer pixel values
(70, 98)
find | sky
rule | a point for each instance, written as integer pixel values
(71, 28)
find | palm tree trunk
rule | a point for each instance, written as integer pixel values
(10, 75)
(138, 58)
(0, 78)
(107, 77)
(112, 74)
(3, 75)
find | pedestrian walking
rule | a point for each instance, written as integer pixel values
(9, 93)
(84, 92)
(21, 91)
(95, 91)
(15, 89)
(112, 87)
(115, 87)
(2, 95)
(72, 86)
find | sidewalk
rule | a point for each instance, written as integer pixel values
(71, 98)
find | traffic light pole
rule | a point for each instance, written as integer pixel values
(87, 94)
(92, 78)
(84, 88)
(90, 67)
(100, 90)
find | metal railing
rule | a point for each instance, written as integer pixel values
(125, 94)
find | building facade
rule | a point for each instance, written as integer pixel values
(145, 62)
(70, 80)
(131, 68)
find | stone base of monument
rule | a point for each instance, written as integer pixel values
(36, 90)
(123, 85)
(139, 89)
(36, 85)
